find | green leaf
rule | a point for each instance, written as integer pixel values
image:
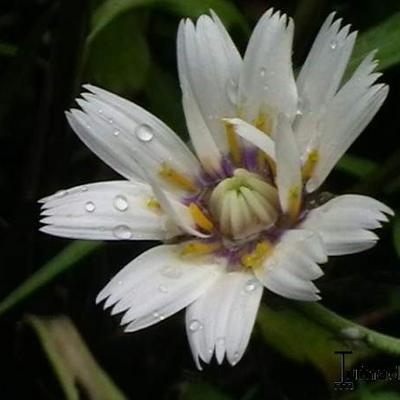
(66, 259)
(111, 9)
(72, 361)
(396, 234)
(356, 166)
(305, 341)
(385, 37)
(119, 57)
(367, 393)
(201, 391)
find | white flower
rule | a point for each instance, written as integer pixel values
(240, 215)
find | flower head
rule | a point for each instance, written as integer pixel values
(241, 213)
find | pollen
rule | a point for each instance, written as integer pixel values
(176, 179)
(199, 248)
(233, 143)
(258, 255)
(310, 164)
(200, 218)
(153, 204)
(263, 122)
(294, 202)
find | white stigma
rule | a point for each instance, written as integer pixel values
(244, 204)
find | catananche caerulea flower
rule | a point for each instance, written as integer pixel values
(239, 214)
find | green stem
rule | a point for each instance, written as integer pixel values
(342, 326)
(66, 259)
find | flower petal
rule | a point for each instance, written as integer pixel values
(267, 84)
(125, 135)
(343, 223)
(323, 70)
(106, 211)
(333, 128)
(253, 135)
(157, 284)
(288, 271)
(200, 135)
(222, 319)
(209, 63)
(288, 169)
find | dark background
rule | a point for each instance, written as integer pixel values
(43, 62)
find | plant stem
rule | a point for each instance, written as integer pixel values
(342, 326)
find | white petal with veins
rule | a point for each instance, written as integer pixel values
(343, 223)
(157, 284)
(220, 322)
(106, 211)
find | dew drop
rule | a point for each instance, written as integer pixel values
(232, 91)
(116, 132)
(144, 133)
(333, 44)
(122, 232)
(262, 72)
(170, 271)
(251, 285)
(121, 203)
(60, 193)
(163, 289)
(111, 120)
(90, 207)
(156, 314)
(84, 189)
(119, 283)
(195, 325)
(100, 111)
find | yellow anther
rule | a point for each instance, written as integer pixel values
(199, 248)
(176, 178)
(263, 122)
(310, 164)
(233, 143)
(153, 204)
(258, 255)
(294, 202)
(201, 220)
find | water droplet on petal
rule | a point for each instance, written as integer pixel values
(90, 206)
(163, 289)
(121, 203)
(232, 91)
(262, 72)
(60, 193)
(122, 232)
(84, 189)
(144, 133)
(110, 120)
(116, 132)
(333, 44)
(100, 111)
(195, 325)
(171, 271)
(251, 285)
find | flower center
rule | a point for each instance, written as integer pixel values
(244, 204)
